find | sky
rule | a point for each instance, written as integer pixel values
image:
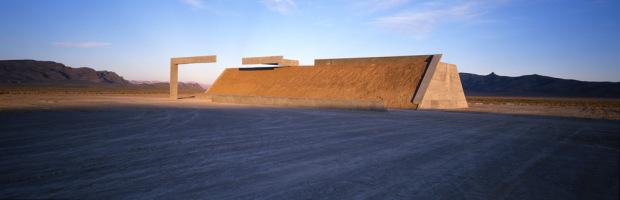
(571, 39)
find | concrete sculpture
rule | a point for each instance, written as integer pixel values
(174, 70)
(372, 83)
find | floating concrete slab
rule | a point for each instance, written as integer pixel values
(197, 59)
(269, 60)
(174, 70)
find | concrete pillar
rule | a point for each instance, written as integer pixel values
(174, 70)
(174, 81)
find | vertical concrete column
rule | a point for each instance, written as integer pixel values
(174, 80)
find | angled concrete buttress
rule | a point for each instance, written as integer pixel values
(174, 70)
(269, 60)
(440, 87)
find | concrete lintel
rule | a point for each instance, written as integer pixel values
(269, 60)
(196, 59)
(426, 79)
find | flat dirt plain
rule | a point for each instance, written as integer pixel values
(145, 146)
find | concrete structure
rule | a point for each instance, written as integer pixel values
(269, 60)
(444, 90)
(401, 82)
(174, 70)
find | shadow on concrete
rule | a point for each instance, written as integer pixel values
(257, 68)
(428, 64)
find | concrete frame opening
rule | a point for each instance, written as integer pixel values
(174, 70)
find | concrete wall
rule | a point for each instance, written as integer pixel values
(444, 90)
(269, 60)
(301, 102)
(402, 82)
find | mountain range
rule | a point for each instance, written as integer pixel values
(536, 86)
(32, 73)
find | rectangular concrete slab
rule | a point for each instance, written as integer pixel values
(196, 59)
(287, 62)
(268, 60)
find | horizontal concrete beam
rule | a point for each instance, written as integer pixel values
(369, 105)
(287, 62)
(269, 60)
(196, 59)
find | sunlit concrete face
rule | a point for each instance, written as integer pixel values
(269, 60)
(444, 90)
(174, 70)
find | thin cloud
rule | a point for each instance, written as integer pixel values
(281, 6)
(418, 23)
(196, 4)
(372, 6)
(81, 45)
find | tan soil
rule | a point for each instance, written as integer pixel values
(39, 99)
(562, 107)
(393, 83)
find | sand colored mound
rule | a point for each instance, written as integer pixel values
(394, 83)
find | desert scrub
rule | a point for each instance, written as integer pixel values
(582, 103)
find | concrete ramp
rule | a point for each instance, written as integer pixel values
(392, 83)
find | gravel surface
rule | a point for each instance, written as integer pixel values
(195, 150)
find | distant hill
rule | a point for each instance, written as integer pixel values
(32, 73)
(536, 86)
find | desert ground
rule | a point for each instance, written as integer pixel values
(115, 145)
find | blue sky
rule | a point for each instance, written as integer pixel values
(136, 38)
